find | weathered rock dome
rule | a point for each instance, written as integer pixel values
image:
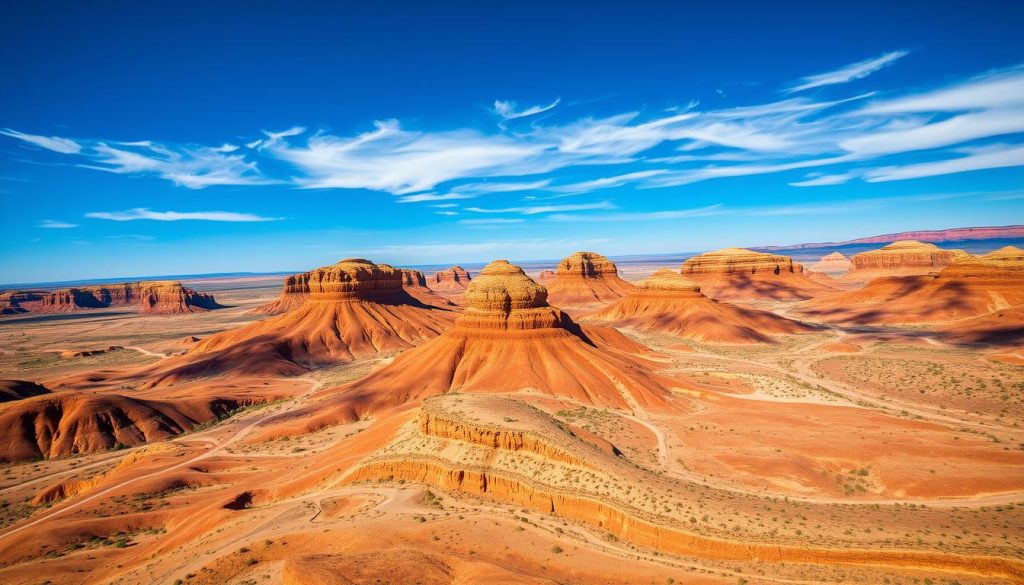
(502, 296)
(586, 278)
(454, 278)
(667, 280)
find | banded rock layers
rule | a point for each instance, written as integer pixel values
(737, 273)
(152, 297)
(668, 302)
(586, 278)
(455, 278)
(903, 258)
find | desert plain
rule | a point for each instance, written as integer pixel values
(738, 418)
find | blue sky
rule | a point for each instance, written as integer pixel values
(180, 138)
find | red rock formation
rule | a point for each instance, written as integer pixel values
(413, 278)
(354, 309)
(586, 278)
(509, 339)
(152, 297)
(454, 278)
(736, 273)
(970, 287)
(668, 302)
(903, 258)
(834, 264)
(546, 277)
(293, 293)
(68, 423)
(18, 389)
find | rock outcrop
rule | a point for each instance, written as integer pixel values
(413, 278)
(69, 423)
(508, 340)
(834, 264)
(152, 297)
(903, 258)
(19, 389)
(547, 276)
(455, 278)
(295, 290)
(353, 309)
(586, 278)
(969, 287)
(737, 273)
(668, 302)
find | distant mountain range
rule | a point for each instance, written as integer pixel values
(934, 236)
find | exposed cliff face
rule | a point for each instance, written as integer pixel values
(293, 293)
(152, 297)
(903, 258)
(529, 463)
(834, 264)
(969, 287)
(736, 273)
(413, 278)
(454, 278)
(668, 302)
(352, 309)
(586, 278)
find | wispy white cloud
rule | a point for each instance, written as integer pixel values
(998, 89)
(955, 130)
(141, 213)
(990, 157)
(666, 148)
(447, 212)
(849, 73)
(432, 197)
(818, 179)
(538, 209)
(640, 215)
(54, 143)
(491, 221)
(56, 225)
(507, 110)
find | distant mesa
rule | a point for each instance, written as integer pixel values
(152, 297)
(586, 278)
(834, 264)
(509, 339)
(737, 273)
(547, 276)
(903, 258)
(352, 309)
(19, 389)
(668, 302)
(948, 235)
(969, 287)
(455, 278)
(296, 289)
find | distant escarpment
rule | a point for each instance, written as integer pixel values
(454, 278)
(737, 273)
(903, 258)
(586, 278)
(668, 302)
(152, 297)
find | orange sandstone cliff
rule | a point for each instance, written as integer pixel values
(903, 258)
(152, 297)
